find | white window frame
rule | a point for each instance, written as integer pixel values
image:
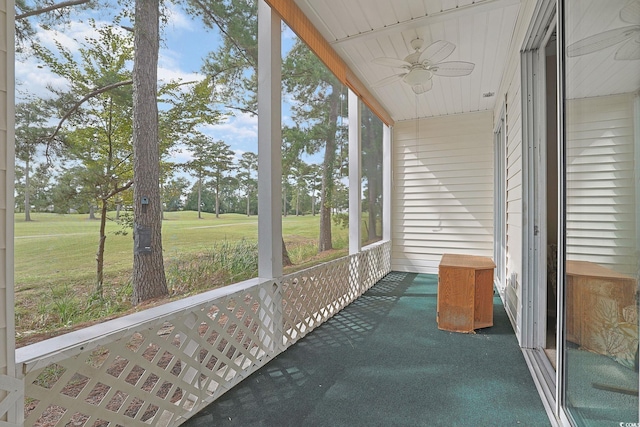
(500, 211)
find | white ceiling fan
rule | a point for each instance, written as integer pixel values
(629, 36)
(420, 66)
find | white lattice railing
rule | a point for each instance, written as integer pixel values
(312, 296)
(11, 391)
(161, 366)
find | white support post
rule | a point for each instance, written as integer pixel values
(355, 180)
(386, 182)
(269, 144)
(11, 388)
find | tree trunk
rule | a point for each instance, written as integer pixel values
(284, 202)
(369, 164)
(118, 209)
(248, 204)
(217, 200)
(27, 191)
(161, 203)
(326, 192)
(298, 202)
(286, 261)
(100, 252)
(92, 211)
(373, 191)
(148, 276)
(200, 198)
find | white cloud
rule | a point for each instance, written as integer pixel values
(177, 19)
(72, 35)
(240, 132)
(34, 80)
(182, 156)
(243, 124)
(166, 74)
(32, 76)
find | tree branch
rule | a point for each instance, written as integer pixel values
(118, 190)
(83, 100)
(224, 31)
(50, 8)
(121, 162)
(241, 109)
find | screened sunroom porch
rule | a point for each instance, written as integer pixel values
(469, 169)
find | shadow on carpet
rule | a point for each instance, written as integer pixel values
(383, 362)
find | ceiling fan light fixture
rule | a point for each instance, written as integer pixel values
(417, 76)
(418, 68)
(416, 44)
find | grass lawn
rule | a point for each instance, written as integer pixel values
(55, 265)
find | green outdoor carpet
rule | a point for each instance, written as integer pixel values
(383, 361)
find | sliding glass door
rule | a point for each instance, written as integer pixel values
(601, 162)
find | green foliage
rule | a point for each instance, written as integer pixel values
(211, 159)
(372, 129)
(232, 67)
(50, 375)
(57, 291)
(247, 178)
(32, 129)
(172, 193)
(67, 193)
(100, 130)
(341, 219)
(226, 262)
(302, 251)
(31, 14)
(185, 106)
(125, 222)
(64, 304)
(31, 134)
(239, 258)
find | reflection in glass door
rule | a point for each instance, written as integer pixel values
(601, 122)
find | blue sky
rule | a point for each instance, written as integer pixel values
(185, 44)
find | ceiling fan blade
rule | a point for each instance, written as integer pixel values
(391, 62)
(629, 51)
(601, 40)
(389, 80)
(437, 51)
(631, 12)
(422, 88)
(452, 68)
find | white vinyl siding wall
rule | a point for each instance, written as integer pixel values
(442, 190)
(513, 289)
(601, 199)
(510, 93)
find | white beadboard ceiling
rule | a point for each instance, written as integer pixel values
(362, 30)
(599, 73)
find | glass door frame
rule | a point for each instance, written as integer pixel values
(534, 251)
(562, 218)
(563, 413)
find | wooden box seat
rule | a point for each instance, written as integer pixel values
(602, 310)
(465, 293)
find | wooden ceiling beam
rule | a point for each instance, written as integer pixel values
(295, 18)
